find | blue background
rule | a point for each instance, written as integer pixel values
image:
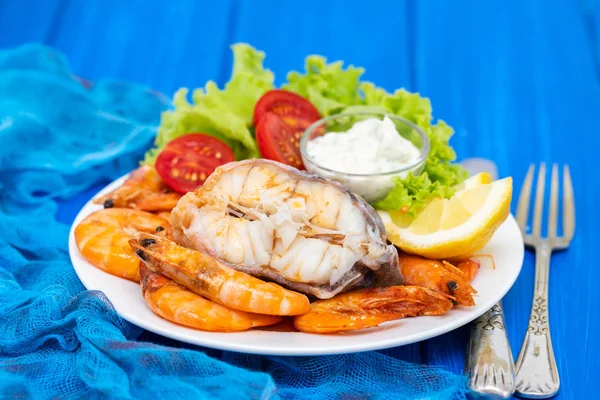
(518, 80)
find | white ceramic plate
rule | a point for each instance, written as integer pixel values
(491, 284)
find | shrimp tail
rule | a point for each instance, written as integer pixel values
(143, 190)
(404, 301)
(367, 308)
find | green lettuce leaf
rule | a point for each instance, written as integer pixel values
(225, 114)
(329, 87)
(438, 178)
(413, 193)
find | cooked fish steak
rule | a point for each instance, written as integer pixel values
(275, 222)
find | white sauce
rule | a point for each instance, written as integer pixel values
(371, 146)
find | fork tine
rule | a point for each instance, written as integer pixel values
(553, 211)
(539, 201)
(568, 205)
(524, 196)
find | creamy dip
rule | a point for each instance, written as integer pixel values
(370, 146)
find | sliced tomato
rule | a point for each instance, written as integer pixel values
(279, 141)
(187, 161)
(280, 119)
(285, 104)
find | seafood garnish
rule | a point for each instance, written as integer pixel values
(103, 238)
(177, 304)
(365, 308)
(469, 267)
(209, 278)
(143, 190)
(440, 276)
(274, 222)
(164, 214)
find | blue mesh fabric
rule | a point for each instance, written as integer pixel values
(57, 340)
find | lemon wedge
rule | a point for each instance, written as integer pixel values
(476, 180)
(455, 227)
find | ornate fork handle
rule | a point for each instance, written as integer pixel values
(537, 375)
(489, 359)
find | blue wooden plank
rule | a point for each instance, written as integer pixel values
(518, 89)
(447, 350)
(374, 37)
(162, 44)
(21, 24)
(590, 16)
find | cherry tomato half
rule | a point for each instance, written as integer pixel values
(284, 103)
(280, 141)
(187, 161)
(280, 118)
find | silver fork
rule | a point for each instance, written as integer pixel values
(537, 375)
(489, 362)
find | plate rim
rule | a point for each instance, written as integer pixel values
(263, 349)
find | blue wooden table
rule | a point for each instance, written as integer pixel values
(518, 80)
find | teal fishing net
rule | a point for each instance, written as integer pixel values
(59, 136)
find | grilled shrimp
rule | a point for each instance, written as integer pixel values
(103, 238)
(143, 190)
(210, 278)
(365, 308)
(175, 303)
(440, 276)
(164, 214)
(469, 267)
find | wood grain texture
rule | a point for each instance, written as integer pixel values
(159, 43)
(519, 82)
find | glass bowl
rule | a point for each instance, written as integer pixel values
(373, 186)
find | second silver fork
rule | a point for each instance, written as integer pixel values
(537, 374)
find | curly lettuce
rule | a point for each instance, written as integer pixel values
(412, 193)
(329, 87)
(333, 89)
(225, 114)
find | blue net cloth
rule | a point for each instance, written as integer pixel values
(59, 136)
